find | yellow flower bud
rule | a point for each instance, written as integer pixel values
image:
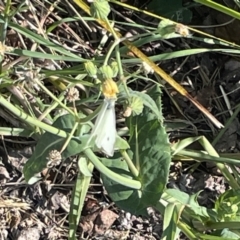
(109, 88)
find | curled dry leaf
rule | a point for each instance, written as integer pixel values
(4, 175)
(29, 234)
(104, 221)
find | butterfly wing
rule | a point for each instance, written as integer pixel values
(106, 140)
(100, 119)
(105, 128)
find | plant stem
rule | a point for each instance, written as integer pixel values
(220, 8)
(30, 120)
(5, 24)
(186, 230)
(161, 208)
(112, 175)
(69, 137)
(120, 69)
(55, 98)
(130, 164)
(118, 56)
(231, 180)
(228, 123)
(222, 225)
(115, 43)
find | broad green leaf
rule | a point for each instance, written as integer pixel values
(153, 174)
(49, 142)
(151, 155)
(198, 212)
(124, 197)
(171, 9)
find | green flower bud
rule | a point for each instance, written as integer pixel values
(91, 69)
(107, 72)
(114, 67)
(136, 105)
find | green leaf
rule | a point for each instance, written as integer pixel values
(39, 39)
(227, 234)
(151, 155)
(177, 147)
(124, 197)
(228, 206)
(170, 9)
(192, 208)
(100, 9)
(83, 167)
(182, 53)
(8, 131)
(121, 144)
(49, 142)
(78, 197)
(75, 207)
(150, 151)
(198, 212)
(35, 54)
(170, 231)
(136, 105)
(148, 101)
(166, 29)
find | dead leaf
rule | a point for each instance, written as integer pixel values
(104, 221)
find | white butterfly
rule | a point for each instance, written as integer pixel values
(105, 127)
